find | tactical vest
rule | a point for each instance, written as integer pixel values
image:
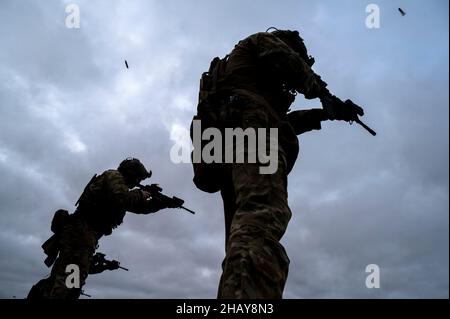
(95, 207)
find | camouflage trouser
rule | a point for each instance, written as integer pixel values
(256, 209)
(78, 243)
(256, 216)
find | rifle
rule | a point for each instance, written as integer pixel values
(100, 263)
(156, 192)
(332, 104)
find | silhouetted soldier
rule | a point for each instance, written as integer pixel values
(100, 209)
(253, 87)
(98, 264)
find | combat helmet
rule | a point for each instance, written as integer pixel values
(294, 41)
(133, 169)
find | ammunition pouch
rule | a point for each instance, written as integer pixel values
(209, 82)
(51, 246)
(60, 218)
(207, 176)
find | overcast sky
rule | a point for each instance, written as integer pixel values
(69, 108)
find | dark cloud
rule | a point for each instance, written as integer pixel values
(69, 108)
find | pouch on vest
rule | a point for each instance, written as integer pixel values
(59, 220)
(207, 176)
(51, 246)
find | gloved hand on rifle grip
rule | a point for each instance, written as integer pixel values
(317, 87)
(175, 202)
(112, 265)
(339, 110)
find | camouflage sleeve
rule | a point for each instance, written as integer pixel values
(306, 120)
(287, 65)
(119, 193)
(150, 206)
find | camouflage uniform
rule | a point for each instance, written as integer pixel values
(253, 87)
(101, 208)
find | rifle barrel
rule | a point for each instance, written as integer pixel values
(190, 211)
(123, 268)
(366, 127)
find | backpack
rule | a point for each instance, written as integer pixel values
(208, 176)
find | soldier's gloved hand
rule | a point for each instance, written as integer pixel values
(328, 105)
(313, 86)
(338, 110)
(112, 265)
(175, 202)
(145, 195)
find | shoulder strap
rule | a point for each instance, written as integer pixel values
(86, 188)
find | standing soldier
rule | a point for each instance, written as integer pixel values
(253, 87)
(100, 209)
